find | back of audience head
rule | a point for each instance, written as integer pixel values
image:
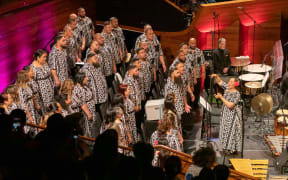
(204, 157)
(144, 153)
(106, 145)
(18, 117)
(5, 124)
(172, 166)
(205, 174)
(221, 172)
(75, 121)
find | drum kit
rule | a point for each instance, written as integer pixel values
(261, 103)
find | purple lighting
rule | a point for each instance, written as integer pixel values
(21, 34)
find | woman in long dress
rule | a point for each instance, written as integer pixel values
(230, 134)
(42, 78)
(129, 113)
(82, 100)
(26, 96)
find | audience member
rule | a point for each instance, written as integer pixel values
(204, 157)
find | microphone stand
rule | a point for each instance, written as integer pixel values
(254, 31)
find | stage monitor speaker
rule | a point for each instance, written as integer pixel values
(154, 109)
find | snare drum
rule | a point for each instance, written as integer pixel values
(281, 122)
(252, 88)
(258, 68)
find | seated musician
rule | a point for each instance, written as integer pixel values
(221, 61)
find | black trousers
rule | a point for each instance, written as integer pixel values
(197, 89)
(109, 80)
(140, 119)
(118, 67)
(99, 108)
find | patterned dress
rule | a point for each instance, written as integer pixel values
(58, 61)
(80, 97)
(172, 87)
(130, 120)
(135, 93)
(96, 82)
(230, 134)
(44, 84)
(110, 40)
(172, 138)
(120, 38)
(173, 143)
(146, 69)
(26, 101)
(86, 26)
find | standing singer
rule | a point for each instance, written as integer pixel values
(230, 133)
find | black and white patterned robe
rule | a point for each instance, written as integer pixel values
(86, 26)
(71, 52)
(188, 71)
(146, 69)
(109, 40)
(230, 133)
(58, 61)
(25, 98)
(120, 39)
(44, 84)
(135, 90)
(197, 60)
(105, 54)
(172, 87)
(130, 120)
(80, 97)
(96, 82)
(154, 49)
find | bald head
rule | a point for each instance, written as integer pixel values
(192, 43)
(73, 16)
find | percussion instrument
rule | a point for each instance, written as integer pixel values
(252, 88)
(251, 77)
(281, 122)
(262, 104)
(240, 61)
(258, 68)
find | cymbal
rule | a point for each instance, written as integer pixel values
(239, 62)
(262, 104)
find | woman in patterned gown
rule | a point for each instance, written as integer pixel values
(165, 135)
(129, 112)
(114, 116)
(82, 99)
(230, 133)
(42, 78)
(65, 93)
(26, 96)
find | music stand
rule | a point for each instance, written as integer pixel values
(207, 107)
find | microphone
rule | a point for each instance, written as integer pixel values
(214, 15)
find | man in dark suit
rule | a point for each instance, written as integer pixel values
(221, 61)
